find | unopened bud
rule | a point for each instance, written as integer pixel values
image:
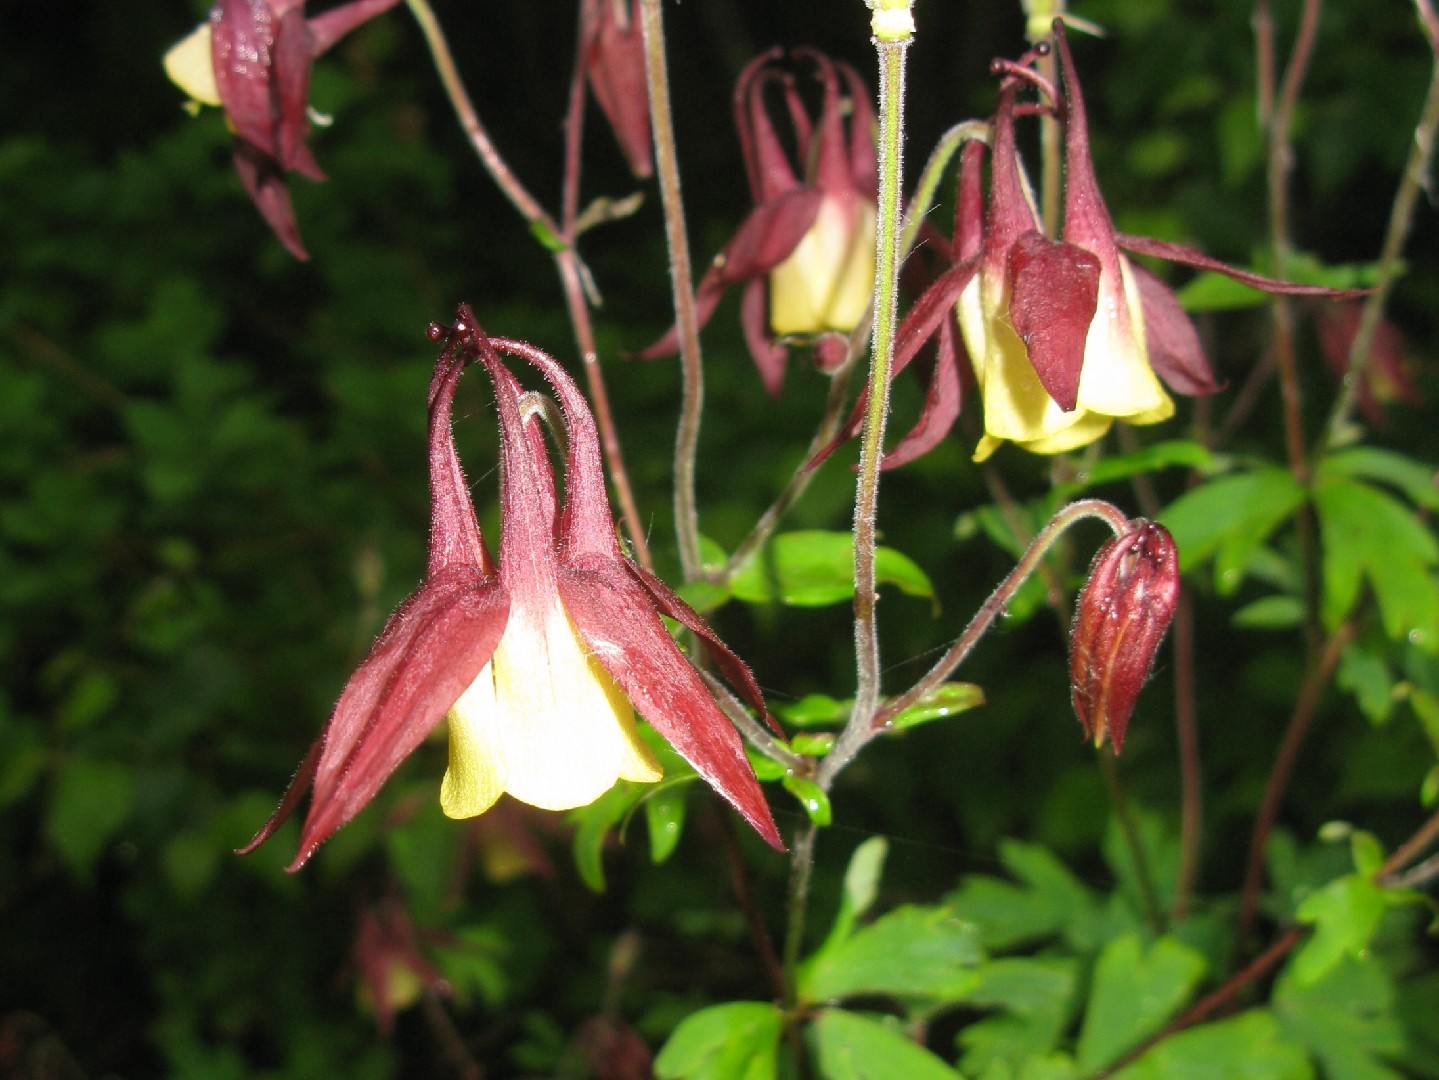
(1119, 621)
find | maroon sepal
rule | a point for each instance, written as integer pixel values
(614, 61)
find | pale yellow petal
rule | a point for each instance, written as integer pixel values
(827, 281)
(556, 732)
(191, 66)
(1116, 379)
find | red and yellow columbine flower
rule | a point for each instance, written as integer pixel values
(540, 663)
(1119, 620)
(1065, 336)
(254, 58)
(806, 252)
(614, 59)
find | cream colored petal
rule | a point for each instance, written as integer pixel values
(557, 732)
(191, 66)
(1116, 379)
(827, 282)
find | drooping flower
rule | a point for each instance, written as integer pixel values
(1385, 376)
(806, 252)
(614, 61)
(392, 970)
(541, 663)
(1119, 620)
(254, 58)
(1065, 336)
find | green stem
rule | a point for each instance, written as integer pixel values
(892, 56)
(667, 171)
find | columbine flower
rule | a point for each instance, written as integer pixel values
(393, 971)
(1119, 621)
(614, 60)
(806, 251)
(540, 664)
(254, 57)
(1064, 336)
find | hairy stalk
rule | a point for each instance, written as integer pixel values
(1320, 674)
(667, 171)
(892, 52)
(490, 158)
(558, 238)
(751, 729)
(983, 619)
(1401, 216)
(922, 201)
(1280, 162)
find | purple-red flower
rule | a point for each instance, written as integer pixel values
(254, 58)
(1119, 621)
(393, 971)
(806, 252)
(1066, 335)
(614, 62)
(540, 663)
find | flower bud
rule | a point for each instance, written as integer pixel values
(1119, 621)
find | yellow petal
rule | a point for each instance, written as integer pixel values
(191, 66)
(828, 280)
(544, 722)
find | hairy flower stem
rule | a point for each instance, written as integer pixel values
(558, 238)
(667, 171)
(892, 55)
(844, 750)
(1401, 216)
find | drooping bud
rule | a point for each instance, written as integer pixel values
(1119, 621)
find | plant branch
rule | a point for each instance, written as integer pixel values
(1401, 216)
(667, 170)
(1320, 674)
(891, 55)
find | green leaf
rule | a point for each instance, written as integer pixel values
(1049, 900)
(1175, 453)
(665, 816)
(814, 710)
(1345, 914)
(812, 798)
(1251, 1045)
(812, 743)
(945, 700)
(1034, 994)
(1270, 613)
(92, 800)
(736, 1041)
(1413, 478)
(849, 1046)
(1135, 992)
(594, 823)
(1365, 675)
(1229, 518)
(911, 952)
(814, 568)
(1368, 534)
(1346, 1019)
(861, 886)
